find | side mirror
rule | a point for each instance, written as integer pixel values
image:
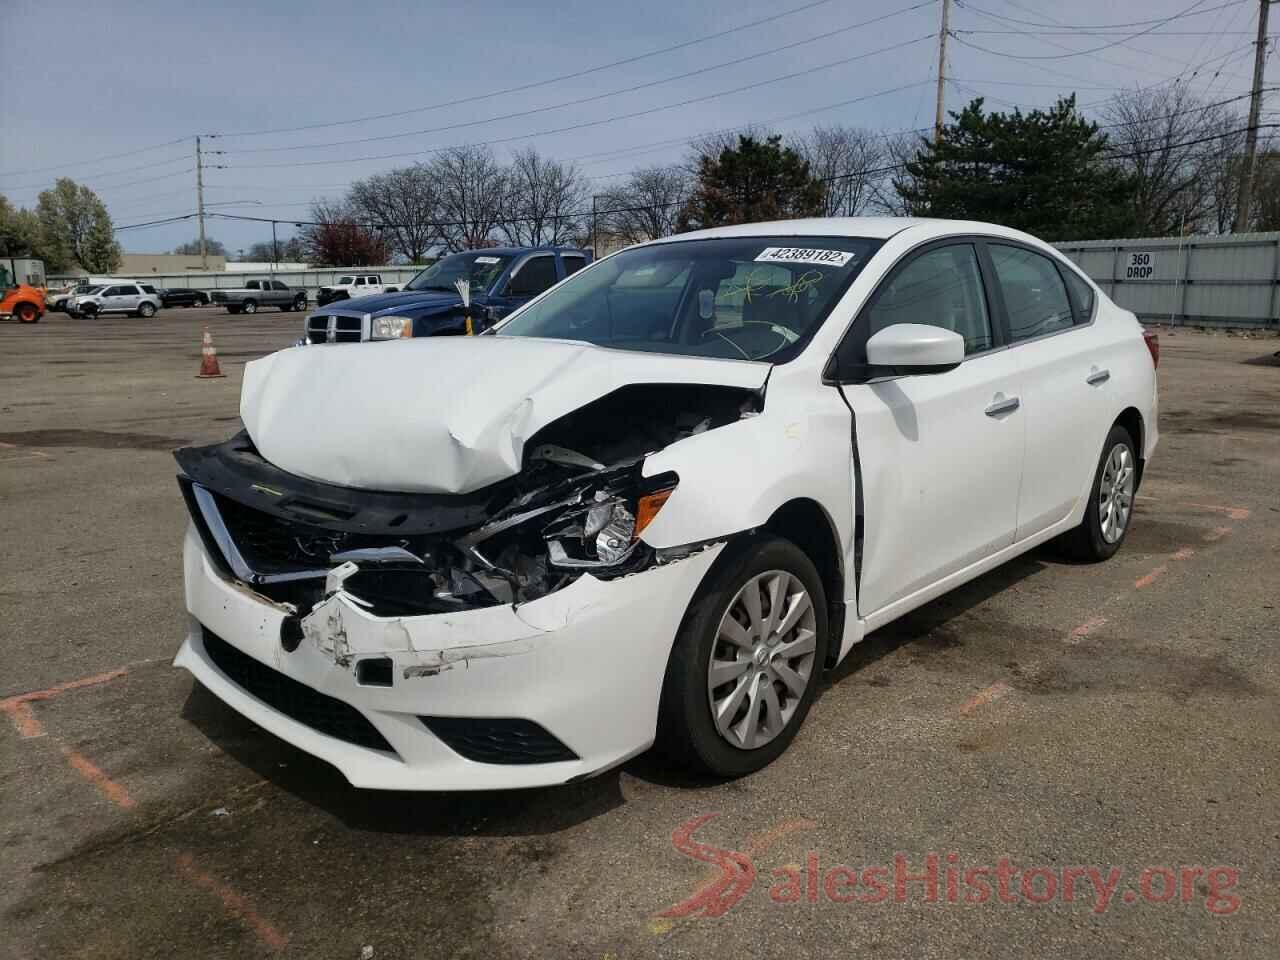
(914, 348)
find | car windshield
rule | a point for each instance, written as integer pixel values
(746, 298)
(480, 268)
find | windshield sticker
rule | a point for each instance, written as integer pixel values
(487, 260)
(825, 258)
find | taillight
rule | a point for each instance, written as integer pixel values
(1153, 344)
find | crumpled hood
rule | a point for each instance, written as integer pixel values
(411, 300)
(442, 414)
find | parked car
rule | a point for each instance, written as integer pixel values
(657, 501)
(183, 297)
(353, 285)
(57, 298)
(260, 293)
(128, 298)
(502, 279)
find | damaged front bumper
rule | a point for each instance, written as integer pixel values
(502, 696)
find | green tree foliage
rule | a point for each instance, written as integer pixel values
(75, 228)
(756, 180)
(19, 231)
(1044, 172)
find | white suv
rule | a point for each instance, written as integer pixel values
(354, 285)
(130, 298)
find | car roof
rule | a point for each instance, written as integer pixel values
(875, 228)
(516, 251)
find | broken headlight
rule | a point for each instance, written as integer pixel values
(605, 531)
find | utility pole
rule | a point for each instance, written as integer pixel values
(942, 69)
(1251, 133)
(275, 249)
(204, 249)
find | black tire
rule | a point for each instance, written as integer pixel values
(249, 306)
(1086, 542)
(146, 310)
(285, 307)
(687, 731)
(300, 302)
(26, 313)
(235, 310)
(89, 312)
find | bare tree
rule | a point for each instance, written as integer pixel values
(406, 203)
(472, 187)
(545, 199)
(645, 207)
(1175, 146)
(886, 189)
(848, 161)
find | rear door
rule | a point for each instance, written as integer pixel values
(1064, 377)
(940, 455)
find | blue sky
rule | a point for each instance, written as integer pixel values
(122, 76)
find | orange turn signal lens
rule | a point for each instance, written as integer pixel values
(648, 506)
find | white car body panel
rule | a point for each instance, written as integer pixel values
(947, 493)
(483, 397)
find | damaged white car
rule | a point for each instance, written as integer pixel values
(657, 501)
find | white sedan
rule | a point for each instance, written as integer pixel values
(657, 501)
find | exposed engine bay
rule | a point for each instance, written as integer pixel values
(579, 504)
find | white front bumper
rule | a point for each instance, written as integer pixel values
(586, 663)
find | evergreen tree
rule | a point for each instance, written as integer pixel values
(1044, 172)
(756, 180)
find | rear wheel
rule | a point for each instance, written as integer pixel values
(26, 313)
(1110, 508)
(250, 306)
(146, 310)
(744, 667)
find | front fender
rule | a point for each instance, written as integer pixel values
(736, 477)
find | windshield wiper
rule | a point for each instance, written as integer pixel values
(433, 287)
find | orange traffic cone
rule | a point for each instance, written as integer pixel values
(209, 368)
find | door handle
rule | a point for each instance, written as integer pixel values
(1002, 406)
(1097, 377)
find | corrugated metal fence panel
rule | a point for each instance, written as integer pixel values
(1231, 281)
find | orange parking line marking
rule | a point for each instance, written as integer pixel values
(1234, 513)
(91, 772)
(22, 717)
(51, 692)
(1217, 533)
(1150, 578)
(1086, 628)
(1184, 553)
(985, 696)
(236, 904)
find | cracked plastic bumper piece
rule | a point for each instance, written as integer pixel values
(584, 665)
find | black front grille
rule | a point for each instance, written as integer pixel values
(271, 545)
(295, 700)
(498, 740)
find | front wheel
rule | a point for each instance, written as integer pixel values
(1110, 508)
(744, 667)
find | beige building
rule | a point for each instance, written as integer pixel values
(140, 264)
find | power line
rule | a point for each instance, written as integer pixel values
(613, 119)
(599, 96)
(1095, 26)
(44, 185)
(81, 163)
(542, 83)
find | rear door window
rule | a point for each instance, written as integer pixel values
(572, 264)
(1081, 293)
(534, 277)
(1035, 297)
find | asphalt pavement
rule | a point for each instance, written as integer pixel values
(1055, 759)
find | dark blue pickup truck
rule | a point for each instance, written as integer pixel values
(501, 278)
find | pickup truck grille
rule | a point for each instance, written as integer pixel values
(333, 328)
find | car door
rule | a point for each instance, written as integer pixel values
(1064, 382)
(939, 454)
(115, 299)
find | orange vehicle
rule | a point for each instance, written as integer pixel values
(22, 286)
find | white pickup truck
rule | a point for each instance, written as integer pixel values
(354, 285)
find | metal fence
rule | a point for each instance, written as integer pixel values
(1228, 281)
(310, 280)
